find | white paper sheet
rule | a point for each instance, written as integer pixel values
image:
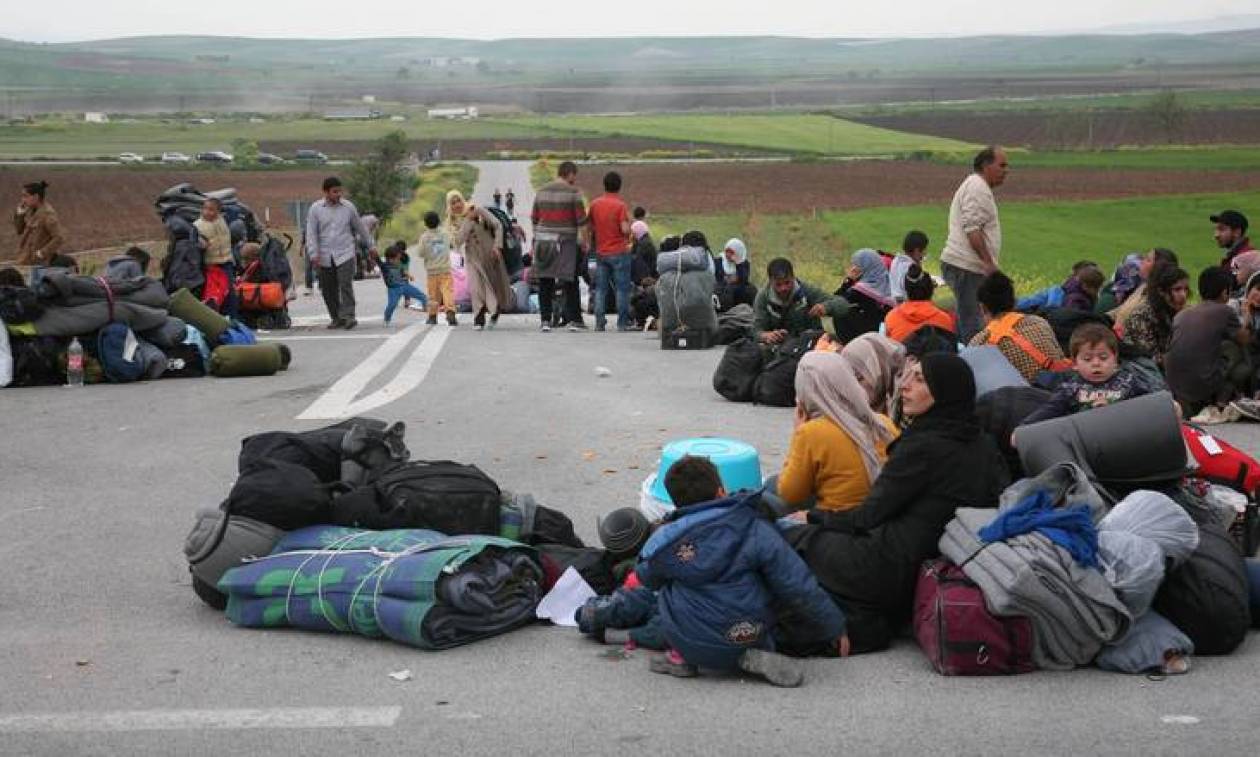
(569, 593)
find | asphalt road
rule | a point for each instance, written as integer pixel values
(104, 649)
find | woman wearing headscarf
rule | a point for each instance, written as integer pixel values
(478, 236)
(838, 443)
(643, 274)
(734, 277)
(868, 557)
(867, 287)
(876, 362)
(1148, 326)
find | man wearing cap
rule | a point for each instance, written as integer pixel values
(1231, 236)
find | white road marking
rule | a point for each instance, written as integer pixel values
(186, 720)
(321, 338)
(342, 398)
(320, 320)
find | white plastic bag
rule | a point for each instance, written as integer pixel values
(1156, 517)
(6, 357)
(1133, 565)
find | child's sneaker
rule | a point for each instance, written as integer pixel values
(778, 669)
(432, 320)
(672, 663)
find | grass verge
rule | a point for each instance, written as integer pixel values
(432, 185)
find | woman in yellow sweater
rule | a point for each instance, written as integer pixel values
(839, 443)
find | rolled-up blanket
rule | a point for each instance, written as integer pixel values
(185, 306)
(233, 360)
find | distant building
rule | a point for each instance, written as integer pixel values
(454, 113)
(369, 99)
(353, 115)
(96, 118)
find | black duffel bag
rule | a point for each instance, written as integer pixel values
(776, 386)
(738, 370)
(1206, 596)
(439, 495)
(281, 494)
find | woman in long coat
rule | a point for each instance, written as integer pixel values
(479, 236)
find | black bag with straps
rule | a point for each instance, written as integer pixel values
(776, 386)
(737, 372)
(440, 495)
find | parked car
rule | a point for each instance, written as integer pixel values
(130, 158)
(267, 159)
(214, 156)
(175, 157)
(310, 156)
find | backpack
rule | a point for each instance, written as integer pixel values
(281, 494)
(118, 349)
(1206, 596)
(737, 372)
(440, 495)
(958, 633)
(1004, 326)
(513, 253)
(776, 384)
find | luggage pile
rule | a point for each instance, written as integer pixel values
(762, 374)
(1126, 558)
(337, 529)
(262, 282)
(129, 329)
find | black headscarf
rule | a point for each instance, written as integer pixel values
(953, 388)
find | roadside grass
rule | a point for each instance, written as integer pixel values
(1041, 240)
(791, 133)
(63, 138)
(434, 182)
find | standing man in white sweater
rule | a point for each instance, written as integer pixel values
(975, 237)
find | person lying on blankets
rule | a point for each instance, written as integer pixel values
(1027, 341)
(1078, 292)
(786, 306)
(1206, 363)
(918, 310)
(838, 444)
(722, 575)
(1097, 381)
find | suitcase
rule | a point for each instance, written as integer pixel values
(958, 633)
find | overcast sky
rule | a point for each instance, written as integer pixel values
(67, 20)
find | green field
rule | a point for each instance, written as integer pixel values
(430, 194)
(1233, 98)
(149, 137)
(1223, 158)
(1041, 240)
(795, 133)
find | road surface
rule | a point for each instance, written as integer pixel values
(104, 649)
(504, 175)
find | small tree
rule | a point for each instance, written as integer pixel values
(376, 183)
(1170, 113)
(244, 152)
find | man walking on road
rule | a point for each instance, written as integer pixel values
(610, 232)
(557, 215)
(975, 237)
(333, 232)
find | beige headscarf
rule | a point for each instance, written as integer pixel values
(453, 221)
(827, 387)
(876, 361)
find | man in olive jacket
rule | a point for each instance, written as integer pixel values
(786, 306)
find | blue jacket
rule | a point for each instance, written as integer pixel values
(720, 570)
(1050, 297)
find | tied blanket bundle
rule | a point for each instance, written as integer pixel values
(413, 586)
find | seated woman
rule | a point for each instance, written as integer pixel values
(1148, 327)
(876, 362)
(838, 444)
(734, 277)
(918, 310)
(868, 557)
(867, 288)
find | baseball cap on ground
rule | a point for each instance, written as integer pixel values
(1231, 218)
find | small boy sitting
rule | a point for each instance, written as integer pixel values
(1078, 292)
(1206, 364)
(918, 310)
(720, 571)
(396, 281)
(913, 250)
(1098, 379)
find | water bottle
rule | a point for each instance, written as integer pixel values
(74, 364)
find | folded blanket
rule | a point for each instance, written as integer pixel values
(413, 586)
(61, 288)
(88, 317)
(1073, 609)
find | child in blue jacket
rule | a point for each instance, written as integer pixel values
(397, 282)
(720, 571)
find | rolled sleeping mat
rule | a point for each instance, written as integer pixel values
(188, 308)
(234, 360)
(1131, 442)
(219, 542)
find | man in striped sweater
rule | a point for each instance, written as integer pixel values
(558, 213)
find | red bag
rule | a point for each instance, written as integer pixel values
(959, 634)
(1220, 462)
(256, 297)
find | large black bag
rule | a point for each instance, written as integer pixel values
(1206, 597)
(365, 441)
(281, 494)
(1001, 411)
(738, 370)
(19, 305)
(440, 495)
(776, 385)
